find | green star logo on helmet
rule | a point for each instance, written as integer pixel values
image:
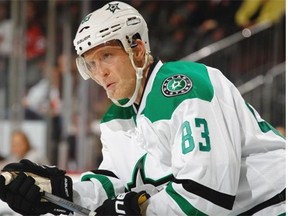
(113, 7)
(176, 85)
(86, 18)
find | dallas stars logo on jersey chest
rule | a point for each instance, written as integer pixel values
(176, 85)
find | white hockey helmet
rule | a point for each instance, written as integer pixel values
(114, 21)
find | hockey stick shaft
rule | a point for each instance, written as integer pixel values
(67, 204)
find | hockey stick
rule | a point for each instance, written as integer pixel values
(55, 199)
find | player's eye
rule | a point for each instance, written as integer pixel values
(106, 56)
(91, 66)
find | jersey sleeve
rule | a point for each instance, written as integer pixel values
(98, 185)
(110, 178)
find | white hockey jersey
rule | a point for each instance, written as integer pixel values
(195, 141)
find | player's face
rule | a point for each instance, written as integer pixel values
(110, 66)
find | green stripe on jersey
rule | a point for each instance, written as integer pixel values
(186, 207)
(116, 112)
(105, 182)
(201, 89)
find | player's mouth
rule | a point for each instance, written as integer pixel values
(110, 85)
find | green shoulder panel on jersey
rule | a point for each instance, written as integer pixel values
(116, 112)
(190, 73)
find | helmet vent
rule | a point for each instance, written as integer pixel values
(85, 27)
(133, 21)
(114, 30)
(115, 26)
(103, 30)
(104, 35)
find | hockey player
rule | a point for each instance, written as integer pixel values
(178, 132)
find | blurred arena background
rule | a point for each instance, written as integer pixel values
(42, 93)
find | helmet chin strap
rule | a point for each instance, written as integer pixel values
(139, 75)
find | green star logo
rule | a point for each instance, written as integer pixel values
(113, 7)
(176, 85)
(86, 18)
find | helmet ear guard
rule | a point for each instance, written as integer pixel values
(132, 42)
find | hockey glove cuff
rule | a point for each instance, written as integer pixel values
(123, 204)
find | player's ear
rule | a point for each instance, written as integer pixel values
(139, 52)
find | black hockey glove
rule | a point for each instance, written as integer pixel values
(123, 204)
(24, 183)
